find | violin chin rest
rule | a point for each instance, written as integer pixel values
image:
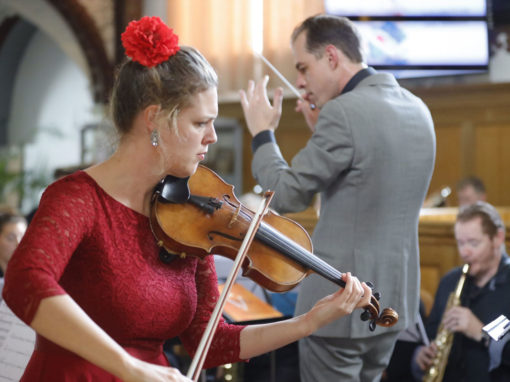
(173, 190)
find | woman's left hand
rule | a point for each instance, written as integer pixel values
(259, 339)
(356, 294)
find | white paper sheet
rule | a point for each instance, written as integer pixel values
(16, 345)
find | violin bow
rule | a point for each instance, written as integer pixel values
(205, 342)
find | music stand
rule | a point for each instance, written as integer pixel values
(498, 328)
(245, 308)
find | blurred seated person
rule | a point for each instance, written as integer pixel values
(470, 190)
(12, 228)
(58, 174)
(480, 235)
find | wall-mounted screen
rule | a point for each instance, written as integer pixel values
(414, 38)
(410, 8)
(426, 44)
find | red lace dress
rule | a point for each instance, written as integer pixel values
(103, 254)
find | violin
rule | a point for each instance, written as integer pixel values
(200, 215)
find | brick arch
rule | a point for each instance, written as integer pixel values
(91, 44)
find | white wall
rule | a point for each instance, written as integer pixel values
(51, 102)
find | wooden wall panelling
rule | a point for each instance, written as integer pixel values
(474, 109)
(448, 156)
(492, 158)
(438, 253)
(467, 147)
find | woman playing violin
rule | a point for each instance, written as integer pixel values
(87, 276)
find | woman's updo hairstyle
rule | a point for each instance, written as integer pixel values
(157, 72)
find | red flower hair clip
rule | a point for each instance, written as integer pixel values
(149, 41)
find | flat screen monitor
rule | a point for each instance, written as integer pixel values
(416, 39)
(407, 8)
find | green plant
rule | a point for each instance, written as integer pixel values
(15, 181)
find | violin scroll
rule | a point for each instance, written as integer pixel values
(387, 318)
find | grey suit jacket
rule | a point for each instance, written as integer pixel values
(371, 158)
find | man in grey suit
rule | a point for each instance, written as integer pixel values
(371, 157)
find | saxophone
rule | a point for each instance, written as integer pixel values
(444, 338)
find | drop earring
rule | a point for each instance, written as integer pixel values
(154, 138)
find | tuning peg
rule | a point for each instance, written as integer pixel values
(365, 316)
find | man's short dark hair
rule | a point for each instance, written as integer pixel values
(322, 30)
(491, 220)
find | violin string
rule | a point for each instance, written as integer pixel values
(280, 242)
(276, 240)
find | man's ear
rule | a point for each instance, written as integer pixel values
(332, 54)
(499, 238)
(150, 116)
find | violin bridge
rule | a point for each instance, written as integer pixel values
(234, 217)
